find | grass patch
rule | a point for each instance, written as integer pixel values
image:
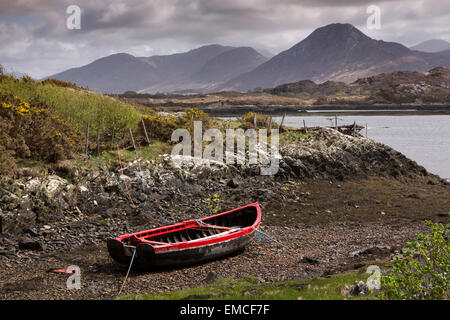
(293, 136)
(249, 288)
(38, 166)
(75, 105)
(224, 124)
(110, 159)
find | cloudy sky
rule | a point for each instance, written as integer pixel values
(35, 39)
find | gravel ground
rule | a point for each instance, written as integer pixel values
(313, 233)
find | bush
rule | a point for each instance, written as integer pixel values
(161, 126)
(424, 270)
(59, 83)
(32, 130)
(262, 121)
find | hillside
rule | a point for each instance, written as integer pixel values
(433, 45)
(391, 87)
(409, 87)
(338, 52)
(116, 73)
(44, 120)
(195, 70)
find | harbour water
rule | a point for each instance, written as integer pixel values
(422, 138)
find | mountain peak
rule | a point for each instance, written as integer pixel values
(337, 32)
(334, 40)
(338, 52)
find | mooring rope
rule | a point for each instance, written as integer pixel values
(128, 272)
(278, 257)
(130, 198)
(261, 234)
(140, 172)
(275, 255)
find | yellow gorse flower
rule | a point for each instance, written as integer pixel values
(6, 105)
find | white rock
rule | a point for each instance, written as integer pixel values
(33, 184)
(54, 184)
(124, 177)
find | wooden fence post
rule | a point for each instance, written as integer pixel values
(132, 139)
(138, 160)
(145, 131)
(87, 138)
(98, 142)
(304, 126)
(282, 121)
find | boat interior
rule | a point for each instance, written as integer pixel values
(209, 227)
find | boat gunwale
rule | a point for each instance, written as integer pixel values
(221, 237)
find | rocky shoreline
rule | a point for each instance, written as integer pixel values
(67, 215)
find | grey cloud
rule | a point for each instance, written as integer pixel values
(167, 26)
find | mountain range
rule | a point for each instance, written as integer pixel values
(433, 45)
(338, 52)
(201, 69)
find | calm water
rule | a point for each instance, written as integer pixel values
(424, 139)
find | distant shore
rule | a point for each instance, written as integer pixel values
(379, 109)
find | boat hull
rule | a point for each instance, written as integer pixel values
(147, 255)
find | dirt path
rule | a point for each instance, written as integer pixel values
(319, 226)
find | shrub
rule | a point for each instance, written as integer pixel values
(262, 121)
(161, 126)
(32, 130)
(424, 270)
(59, 83)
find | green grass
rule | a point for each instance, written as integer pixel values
(225, 124)
(110, 159)
(293, 136)
(249, 288)
(76, 106)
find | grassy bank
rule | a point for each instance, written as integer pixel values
(249, 288)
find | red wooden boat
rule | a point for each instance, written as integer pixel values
(188, 242)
